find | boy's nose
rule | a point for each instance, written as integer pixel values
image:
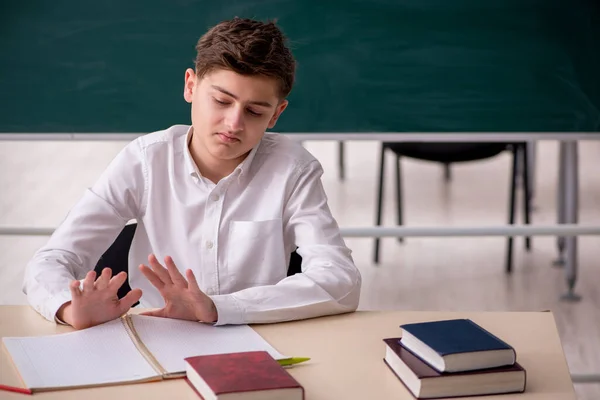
(235, 120)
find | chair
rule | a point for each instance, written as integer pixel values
(117, 258)
(447, 153)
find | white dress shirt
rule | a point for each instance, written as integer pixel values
(236, 235)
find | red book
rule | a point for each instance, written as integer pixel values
(244, 375)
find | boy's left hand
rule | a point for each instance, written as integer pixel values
(183, 298)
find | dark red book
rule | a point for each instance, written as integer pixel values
(424, 382)
(245, 375)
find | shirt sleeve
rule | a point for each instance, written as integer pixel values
(329, 283)
(87, 231)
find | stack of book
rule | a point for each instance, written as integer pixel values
(453, 358)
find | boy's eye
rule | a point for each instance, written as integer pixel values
(248, 110)
(254, 113)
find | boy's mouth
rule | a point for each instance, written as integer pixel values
(227, 138)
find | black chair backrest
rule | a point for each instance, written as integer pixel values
(447, 152)
(117, 257)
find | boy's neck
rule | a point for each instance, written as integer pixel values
(211, 168)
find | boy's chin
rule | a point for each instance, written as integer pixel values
(227, 152)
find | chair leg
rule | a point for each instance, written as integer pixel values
(399, 194)
(447, 172)
(341, 162)
(511, 212)
(526, 192)
(379, 201)
(531, 151)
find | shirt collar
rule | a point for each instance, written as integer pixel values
(192, 168)
(244, 166)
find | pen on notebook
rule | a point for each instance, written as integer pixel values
(15, 389)
(292, 360)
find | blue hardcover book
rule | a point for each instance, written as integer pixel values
(456, 345)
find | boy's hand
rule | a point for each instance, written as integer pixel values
(183, 298)
(98, 301)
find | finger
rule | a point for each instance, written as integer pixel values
(117, 281)
(129, 300)
(159, 270)
(74, 288)
(174, 273)
(103, 280)
(152, 277)
(156, 313)
(193, 284)
(88, 282)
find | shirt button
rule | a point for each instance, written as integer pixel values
(214, 197)
(209, 244)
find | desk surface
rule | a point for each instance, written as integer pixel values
(346, 352)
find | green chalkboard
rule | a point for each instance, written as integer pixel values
(365, 65)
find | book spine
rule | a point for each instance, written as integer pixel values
(130, 328)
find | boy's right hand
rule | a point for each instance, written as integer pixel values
(98, 302)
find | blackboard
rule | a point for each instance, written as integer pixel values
(365, 65)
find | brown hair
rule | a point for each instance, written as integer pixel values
(247, 47)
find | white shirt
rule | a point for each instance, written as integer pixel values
(236, 236)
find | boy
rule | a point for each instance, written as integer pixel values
(221, 202)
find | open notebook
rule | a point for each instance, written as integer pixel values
(134, 348)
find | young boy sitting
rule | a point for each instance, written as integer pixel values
(220, 206)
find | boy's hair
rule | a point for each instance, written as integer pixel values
(247, 47)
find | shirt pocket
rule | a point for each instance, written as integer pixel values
(255, 253)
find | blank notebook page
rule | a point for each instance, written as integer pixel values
(170, 341)
(98, 355)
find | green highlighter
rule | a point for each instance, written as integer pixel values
(286, 362)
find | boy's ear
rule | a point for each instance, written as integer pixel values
(278, 110)
(190, 84)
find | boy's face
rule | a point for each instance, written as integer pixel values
(230, 112)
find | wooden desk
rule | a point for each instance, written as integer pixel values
(346, 352)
